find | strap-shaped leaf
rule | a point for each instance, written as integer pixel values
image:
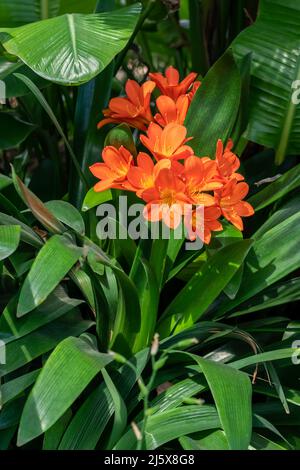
(9, 239)
(52, 263)
(69, 369)
(203, 288)
(231, 390)
(214, 109)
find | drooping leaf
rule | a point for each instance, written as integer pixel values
(67, 214)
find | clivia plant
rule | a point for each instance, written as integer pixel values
(114, 342)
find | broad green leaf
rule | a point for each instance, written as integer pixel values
(203, 288)
(93, 199)
(51, 265)
(213, 111)
(231, 390)
(71, 53)
(9, 239)
(276, 190)
(13, 131)
(67, 372)
(26, 349)
(14, 13)
(172, 424)
(273, 41)
(67, 214)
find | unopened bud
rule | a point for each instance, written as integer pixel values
(121, 135)
(155, 345)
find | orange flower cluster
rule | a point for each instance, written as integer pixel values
(172, 178)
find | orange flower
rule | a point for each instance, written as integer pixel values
(228, 163)
(171, 111)
(229, 199)
(170, 85)
(194, 88)
(167, 199)
(113, 171)
(133, 109)
(201, 222)
(168, 142)
(200, 175)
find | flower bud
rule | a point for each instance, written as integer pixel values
(121, 135)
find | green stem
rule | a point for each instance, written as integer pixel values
(44, 9)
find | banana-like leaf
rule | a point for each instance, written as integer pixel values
(274, 41)
(16, 13)
(72, 49)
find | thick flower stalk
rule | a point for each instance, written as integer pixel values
(173, 182)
